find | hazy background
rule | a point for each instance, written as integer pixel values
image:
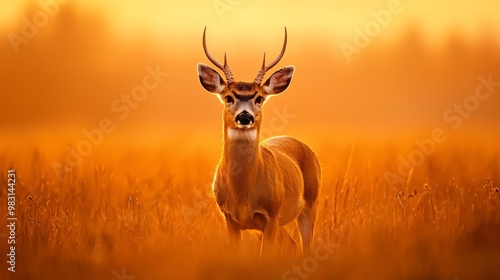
(140, 199)
(89, 53)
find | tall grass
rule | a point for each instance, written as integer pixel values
(157, 219)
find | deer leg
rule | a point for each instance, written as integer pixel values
(289, 244)
(234, 232)
(268, 241)
(306, 221)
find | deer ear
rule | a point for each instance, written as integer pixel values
(279, 80)
(210, 79)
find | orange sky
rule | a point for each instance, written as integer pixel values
(335, 16)
(427, 58)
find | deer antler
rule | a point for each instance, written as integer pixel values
(225, 67)
(265, 68)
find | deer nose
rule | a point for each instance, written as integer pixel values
(244, 118)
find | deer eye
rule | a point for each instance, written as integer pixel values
(229, 99)
(259, 100)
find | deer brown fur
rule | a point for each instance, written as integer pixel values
(260, 185)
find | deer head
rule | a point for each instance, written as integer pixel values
(243, 101)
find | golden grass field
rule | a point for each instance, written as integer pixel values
(139, 206)
(154, 216)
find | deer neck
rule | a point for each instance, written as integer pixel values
(241, 156)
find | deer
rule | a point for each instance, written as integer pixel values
(260, 185)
